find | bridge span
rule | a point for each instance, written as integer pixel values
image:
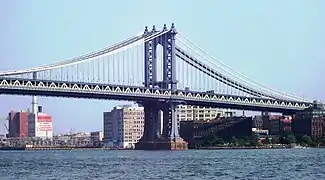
(159, 69)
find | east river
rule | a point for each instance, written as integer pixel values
(192, 164)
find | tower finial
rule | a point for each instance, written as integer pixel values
(165, 27)
(146, 29)
(154, 28)
(173, 29)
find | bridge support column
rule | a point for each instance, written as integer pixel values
(151, 139)
(172, 139)
(151, 132)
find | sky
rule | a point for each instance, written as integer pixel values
(278, 43)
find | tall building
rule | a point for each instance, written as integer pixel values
(40, 124)
(123, 126)
(18, 124)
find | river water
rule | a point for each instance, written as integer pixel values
(192, 164)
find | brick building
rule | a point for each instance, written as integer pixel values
(258, 122)
(280, 125)
(18, 124)
(310, 122)
(194, 132)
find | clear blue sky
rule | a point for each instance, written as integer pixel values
(279, 43)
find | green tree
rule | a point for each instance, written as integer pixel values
(241, 142)
(267, 140)
(234, 141)
(218, 141)
(317, 140)
(254, 141)
(291, 139)
(275, 140)
(246, 138)
(306, 140)
(207, 140)
(288, 139)
(212, 140)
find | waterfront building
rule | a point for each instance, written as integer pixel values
(189, 113)
(280, 125)
(97, 136)
(78, 139)
(40, 124)
(4, 130)
(3, 140)
(123, 126)
(260, 131)
(258, 122)
(194, 132)
(197, 113)
(18, 124)
(267, 120)
(310, 122)
(275, 124)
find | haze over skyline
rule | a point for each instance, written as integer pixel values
(278, 43)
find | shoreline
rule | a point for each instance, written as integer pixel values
(257, 147)
(56, 148)
(201, 148)
(235, 148)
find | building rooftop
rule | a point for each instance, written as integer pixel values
(43, 114)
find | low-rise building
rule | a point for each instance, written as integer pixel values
(275, 124)
(97, 136)
(194, 132)
(189, 113)
(260, 131)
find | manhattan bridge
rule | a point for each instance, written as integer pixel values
(159, 69)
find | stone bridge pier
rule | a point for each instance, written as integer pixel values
(155, 139)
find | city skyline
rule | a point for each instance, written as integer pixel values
(292, 40)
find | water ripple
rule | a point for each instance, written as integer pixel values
(193, 164)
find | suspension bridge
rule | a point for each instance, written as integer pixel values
(159, 69)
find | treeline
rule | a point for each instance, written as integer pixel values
(305, 140)
(213, 140)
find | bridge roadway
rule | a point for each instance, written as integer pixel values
(16, 86)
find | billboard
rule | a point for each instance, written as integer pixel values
(43, 126)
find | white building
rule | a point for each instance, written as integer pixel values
(40, 125)
(189, 113)
(4, 125)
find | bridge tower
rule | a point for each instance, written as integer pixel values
(152, 139)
